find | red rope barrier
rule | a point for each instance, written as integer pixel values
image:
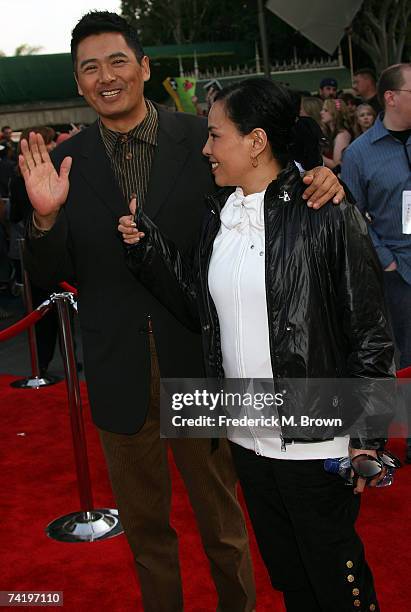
(404, 373)
(68, 287)
(23, 324)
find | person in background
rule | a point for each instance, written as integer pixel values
(328, 88)
(338, 131)
(20, 209)
(7, 171)
(307, 145)
(8, 142)
(377, 170)
(280, 291)
(364, 119)
(365, 86)
(5, 265)
(62, 137)
(351, 102)
(311, 107)
(211, 88)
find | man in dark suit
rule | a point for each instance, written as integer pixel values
(138, 150)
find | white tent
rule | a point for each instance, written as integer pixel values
(321, 21)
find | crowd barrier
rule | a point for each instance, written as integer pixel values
(26, 322)
(67, 287)
(88, 524)
(37, 378)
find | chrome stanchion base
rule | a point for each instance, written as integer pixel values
(36, 382)
(99, 524)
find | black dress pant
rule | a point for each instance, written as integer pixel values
(303, 519)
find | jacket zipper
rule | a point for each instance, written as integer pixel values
(270, 325)
(257, 445)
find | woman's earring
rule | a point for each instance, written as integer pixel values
(254, 162)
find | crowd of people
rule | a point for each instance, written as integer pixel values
(342, 116)
(289, 279)
(16, 207)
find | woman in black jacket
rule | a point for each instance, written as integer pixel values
(280, 291)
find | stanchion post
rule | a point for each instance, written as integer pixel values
(89, 524)
(36, 380)
(74, 399)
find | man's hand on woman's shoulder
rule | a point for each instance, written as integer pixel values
(323, 186)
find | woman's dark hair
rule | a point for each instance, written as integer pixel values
(99, 22)
(261, 103)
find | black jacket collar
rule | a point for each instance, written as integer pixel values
(168, 162)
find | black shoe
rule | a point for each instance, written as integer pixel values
(43, 372)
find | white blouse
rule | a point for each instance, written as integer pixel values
(236, 280)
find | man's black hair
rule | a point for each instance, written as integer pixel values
(99, 22)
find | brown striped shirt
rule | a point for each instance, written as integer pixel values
(131, 154)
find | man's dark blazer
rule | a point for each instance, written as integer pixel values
(85, 247)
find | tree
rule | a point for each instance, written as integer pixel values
(23, 49)
(167, 21)
(380, 29)
(26, 49)
(161, 22)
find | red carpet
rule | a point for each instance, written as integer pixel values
(38, 485)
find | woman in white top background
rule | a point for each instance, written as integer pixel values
(279, 291)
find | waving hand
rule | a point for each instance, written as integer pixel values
(46, 188)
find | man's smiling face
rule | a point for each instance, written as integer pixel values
(111, 79)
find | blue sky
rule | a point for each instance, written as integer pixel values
(45, 23)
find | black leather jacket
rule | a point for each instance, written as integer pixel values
(326, 311)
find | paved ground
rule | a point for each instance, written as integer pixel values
(14, 353)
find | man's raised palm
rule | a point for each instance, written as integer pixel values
(46, 188)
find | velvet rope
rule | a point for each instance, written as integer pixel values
(25, 323)
(68, 287)
(404, 373)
